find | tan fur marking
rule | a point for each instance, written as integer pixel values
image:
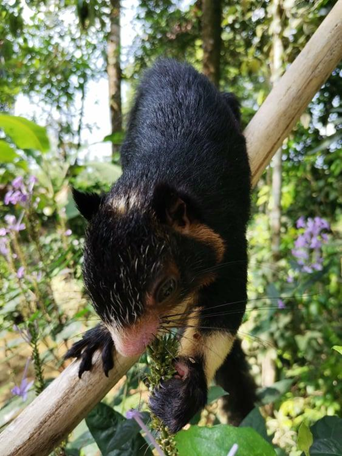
(214, 347)
(123, 204)
(206, 235)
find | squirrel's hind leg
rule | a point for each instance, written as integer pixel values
(234, 377)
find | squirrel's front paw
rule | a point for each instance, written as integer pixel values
(97, 338)
(177, 400)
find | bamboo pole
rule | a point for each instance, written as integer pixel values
(294, 91)
(66, 401)
(59, 408)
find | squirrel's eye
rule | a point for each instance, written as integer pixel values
(166, 289)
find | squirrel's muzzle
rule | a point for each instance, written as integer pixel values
(133, 341)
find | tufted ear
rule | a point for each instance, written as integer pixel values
(172, 207)
(87, 203)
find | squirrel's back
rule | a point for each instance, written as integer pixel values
(184, 132)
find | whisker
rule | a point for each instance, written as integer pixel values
(231, 312)
(201, 310)
(203, 343)
(216, 328)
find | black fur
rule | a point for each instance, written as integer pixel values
(234, 377)
(181, 398)
(184, 143)
(97, 338)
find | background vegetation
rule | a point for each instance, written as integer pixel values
(53, 57)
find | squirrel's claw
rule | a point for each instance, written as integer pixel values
(177, 400)
(97, 338)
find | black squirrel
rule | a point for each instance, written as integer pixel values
(166, 247)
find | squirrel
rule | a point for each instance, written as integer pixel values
(166, 246)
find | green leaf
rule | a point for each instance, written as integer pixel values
(328, 427)
(7, 154)
(272, 393)
(215, 392)
(24, 133)
(326, 447)
(218, 440)
(256, 421)
(305, 438)
(98, 172)
(327, 434)
(338, 348)
(116, 138)
(114, 435)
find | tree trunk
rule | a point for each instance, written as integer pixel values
(268, 364)
(211, 37)
(276, 72)
(114, 71)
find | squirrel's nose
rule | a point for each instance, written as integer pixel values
(134, 340)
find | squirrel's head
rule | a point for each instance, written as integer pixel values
(147, 254)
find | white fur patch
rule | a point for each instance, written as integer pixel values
(123, 204)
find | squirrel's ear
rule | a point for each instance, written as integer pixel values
(172, 207)
(87, 203)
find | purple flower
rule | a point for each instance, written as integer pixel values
(25, 385)
(14, 197)
(300, 254)
(38, 275)
(308, 245)
(3, 247)
(21, 272)
(289, 279)
(18, 182)
(300, 241)
(25, 333)
(323, 224)
(3, 231)
(233, 450)
(301, 222)
(315, 243)
(136, 415)
(13, 224)
(281, 304)
(68, 233)
(32, 180)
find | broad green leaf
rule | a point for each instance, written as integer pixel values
(24, 133)
(326, 447)
(305, 438)
(7, 154)
(114, 435)
(338, 348)
(328, 427)
(327, 434)
(272, 393)
(256, 421)
(218, 440)
(215, 392)
(72, 452)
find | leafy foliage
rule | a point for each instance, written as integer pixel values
(218, 440)
(114, 434)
